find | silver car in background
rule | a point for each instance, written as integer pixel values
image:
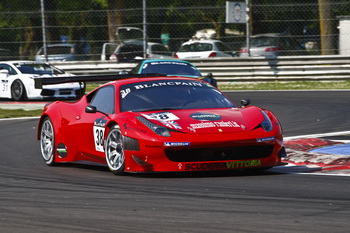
(62, 52)
(272, 45)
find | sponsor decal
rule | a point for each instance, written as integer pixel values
(172, 124)
(201, 116)
(99, 131)
(223, 165)
(220, 124)
(161, 116)
(124, 93)
(61, 150)
(166, 118)
(167, 83)
(176, 143)
(168, 63)
(100, 122)
(265, 139)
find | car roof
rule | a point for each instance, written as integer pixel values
(201, 41)
(139, 42)
(164, 60)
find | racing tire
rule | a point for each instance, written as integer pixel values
(47, 141)
(114, 151)
(18, 92)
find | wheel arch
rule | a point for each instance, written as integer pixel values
(40, 124)
(56, 121)
(109, 126)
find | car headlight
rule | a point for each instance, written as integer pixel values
(160, 130)
(266, 124)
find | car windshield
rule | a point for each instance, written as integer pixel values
(170, 95)
(196, 47)
(170, 68)
(38, 69)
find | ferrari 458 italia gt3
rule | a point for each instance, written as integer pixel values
(160, 124)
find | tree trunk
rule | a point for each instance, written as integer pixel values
(114, 17)
(325, 12)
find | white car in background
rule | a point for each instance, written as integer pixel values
(204, 49)
(17, 82)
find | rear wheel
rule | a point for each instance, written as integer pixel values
(18, 91)
(114, 150)
(47, 141)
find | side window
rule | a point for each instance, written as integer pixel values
(104, 100)
(8, 68)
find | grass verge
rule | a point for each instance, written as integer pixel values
(13, 113)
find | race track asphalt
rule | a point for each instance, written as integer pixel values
(77, 198)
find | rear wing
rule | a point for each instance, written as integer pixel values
(39, 82)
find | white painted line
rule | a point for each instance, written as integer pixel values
(318, 135)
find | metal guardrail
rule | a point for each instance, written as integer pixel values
(291, 68)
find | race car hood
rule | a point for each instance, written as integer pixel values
(208, 120)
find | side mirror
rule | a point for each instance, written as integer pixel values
(210, 79)
(209, 75)
(90, 109)
(245, 102)
(6, 72)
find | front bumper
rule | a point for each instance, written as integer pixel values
(203, 155)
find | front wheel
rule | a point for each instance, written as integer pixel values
(114, 150)
(47, 141)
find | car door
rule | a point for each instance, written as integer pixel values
(92, 125)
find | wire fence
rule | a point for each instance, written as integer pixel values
(313, 24)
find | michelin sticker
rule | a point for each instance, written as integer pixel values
(176, 143)
(265, 139)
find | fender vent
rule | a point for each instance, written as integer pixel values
(131, 144)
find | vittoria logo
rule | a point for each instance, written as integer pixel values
(223, 165)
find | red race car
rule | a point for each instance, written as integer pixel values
(156, 123)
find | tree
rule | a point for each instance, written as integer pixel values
(114, 18)
(326, 25)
